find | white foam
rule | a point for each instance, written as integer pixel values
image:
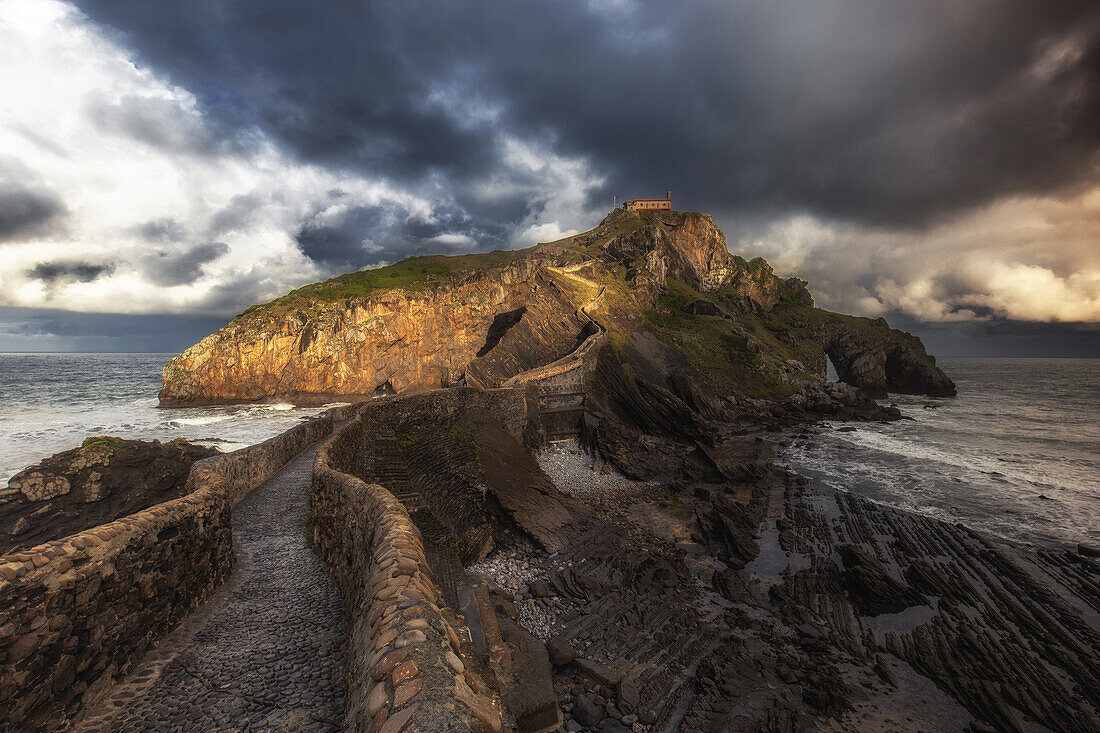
(998, 468)
(203, 420)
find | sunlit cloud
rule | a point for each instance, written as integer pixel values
(1021, 258)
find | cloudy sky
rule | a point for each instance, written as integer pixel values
(163, 165)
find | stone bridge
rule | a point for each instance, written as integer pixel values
(216, 611)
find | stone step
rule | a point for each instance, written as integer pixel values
(560, 407)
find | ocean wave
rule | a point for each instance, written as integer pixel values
(226, 446)
(200, 420)
(267, 408)
(992, 466)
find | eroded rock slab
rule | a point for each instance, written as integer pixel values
(104, 479)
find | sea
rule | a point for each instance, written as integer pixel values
(51, 402)
(1016, 454)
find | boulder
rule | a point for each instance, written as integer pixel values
(102, 480)
(629, 695)
(560, 651)
(527, 687)
(1088, 550)
(585, 711)
(598, 672)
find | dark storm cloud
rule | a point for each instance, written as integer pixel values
(181, 266)
(25, 212)
(364, 236)
(888, 113)
(340, 243)
(53, 273)
(1000, 337)
(238, 213)
(41, 329)
(161, 230)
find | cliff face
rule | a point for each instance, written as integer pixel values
(662, 280)
(313, 347)
(879, 359)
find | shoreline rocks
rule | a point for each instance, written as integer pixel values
(104, 479)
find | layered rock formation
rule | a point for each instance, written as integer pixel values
(718, 592)
(102, 480)
(880, 359)
(435, 321)
(311, 345)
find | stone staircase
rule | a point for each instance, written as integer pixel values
(561, 409)
(390, 471)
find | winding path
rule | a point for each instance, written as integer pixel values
(266, 652)
(576, 357)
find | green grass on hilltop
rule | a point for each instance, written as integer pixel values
(718, 347)
(411, 273)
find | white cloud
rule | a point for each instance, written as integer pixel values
(1020, 258)
(121, 146)
(556, 188)
(145, 176)
(1036, 293)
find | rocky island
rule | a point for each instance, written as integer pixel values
(552, 505)
(657, 279)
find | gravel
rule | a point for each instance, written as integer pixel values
(571, 468)
(514, 569)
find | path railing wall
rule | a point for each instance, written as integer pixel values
(405, 664)
(77, 613)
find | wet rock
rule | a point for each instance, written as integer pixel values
(1088, 550)
(872, 589)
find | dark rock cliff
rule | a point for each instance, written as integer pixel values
(879, 359)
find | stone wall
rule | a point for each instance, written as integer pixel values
(78, 612)
(410, 662)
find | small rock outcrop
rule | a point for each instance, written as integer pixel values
(879, 359)
(104, 479)
(669, 244)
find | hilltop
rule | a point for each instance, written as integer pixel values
(653, 281)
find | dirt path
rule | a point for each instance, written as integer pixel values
(265, 653)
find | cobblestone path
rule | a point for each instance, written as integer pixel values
(265, 653)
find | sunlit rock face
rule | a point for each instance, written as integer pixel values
(408, 339)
